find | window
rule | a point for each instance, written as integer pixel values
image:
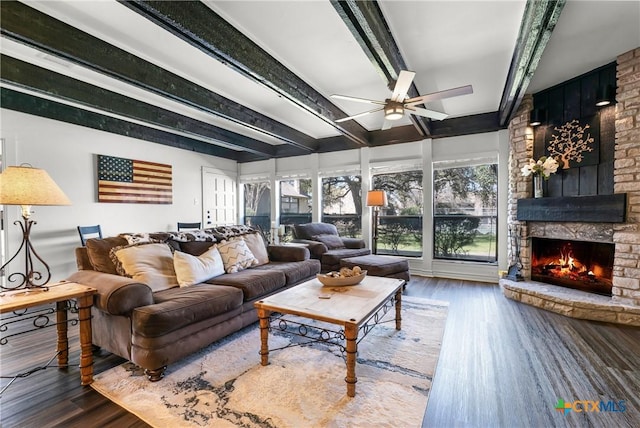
(400, 228)
(295, 203)
(465, 213)
(257, 206)
(342, 204)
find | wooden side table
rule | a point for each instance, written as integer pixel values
(59, 293)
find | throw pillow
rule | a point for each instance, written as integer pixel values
(98, 251)
(333, 242)
(192, 270)
(256, 245)
(236, 256)
(150, 263)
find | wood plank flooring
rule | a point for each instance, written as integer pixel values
(502, 364)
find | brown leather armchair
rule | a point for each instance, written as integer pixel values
(326, 245)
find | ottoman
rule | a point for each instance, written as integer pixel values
(391, 267)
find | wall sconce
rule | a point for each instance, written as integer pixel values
(26, 186)
(537, 117)
(604, 95)
(376, 199)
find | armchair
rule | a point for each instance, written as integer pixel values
(326, 245)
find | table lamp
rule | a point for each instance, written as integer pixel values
(376, 199)
(26, 186)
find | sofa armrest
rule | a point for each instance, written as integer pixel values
(117, 295)
(353, 243)
(316, 248)
(287, 253)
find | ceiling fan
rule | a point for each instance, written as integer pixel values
(395, 107)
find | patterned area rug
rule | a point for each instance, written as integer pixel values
(224, 385)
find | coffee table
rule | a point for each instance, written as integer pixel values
(356, 309)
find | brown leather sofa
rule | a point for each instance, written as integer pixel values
(326, 245)
(155, 328)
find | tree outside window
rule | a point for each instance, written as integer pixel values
(400, 228)
(465, 213)
(342, 204)
(257, 206)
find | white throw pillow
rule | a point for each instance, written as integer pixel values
(150, 264)
(256, 245)
(236, 256)
(192, 270)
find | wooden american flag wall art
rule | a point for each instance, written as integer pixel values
(123, 180)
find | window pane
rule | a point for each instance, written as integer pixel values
(400, 225)
(342, 204)
(257, 206)
(465, 213)
(295, 204)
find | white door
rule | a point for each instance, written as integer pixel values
(218, 198)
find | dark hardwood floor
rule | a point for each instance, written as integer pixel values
(502, 364)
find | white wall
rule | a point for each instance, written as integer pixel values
(67, 153)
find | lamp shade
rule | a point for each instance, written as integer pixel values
(376, 198)
(23, 185)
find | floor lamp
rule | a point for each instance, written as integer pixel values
(376, 199)
(26, 186)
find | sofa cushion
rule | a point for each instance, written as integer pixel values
(257, 246)
(195, 248)
(333, 242)
(148, 263)
(192, 270)
(236, 256)
(98, 251)
(178, 307)
(294, 271)
(254, 283)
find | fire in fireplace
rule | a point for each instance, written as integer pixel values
(586, 266)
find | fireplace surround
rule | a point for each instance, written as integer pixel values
(620, 162)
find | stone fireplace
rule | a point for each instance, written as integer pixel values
(581, 265)
(562, 226)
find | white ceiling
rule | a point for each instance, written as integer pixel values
(447, 43)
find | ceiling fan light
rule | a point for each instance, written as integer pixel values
(393, 111)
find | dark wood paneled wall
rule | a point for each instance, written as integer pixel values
(576, 99)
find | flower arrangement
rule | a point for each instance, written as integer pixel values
(545, 166)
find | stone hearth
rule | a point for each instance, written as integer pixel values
(624, 306)
(570, 302)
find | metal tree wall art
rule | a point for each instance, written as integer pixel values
(573, 144)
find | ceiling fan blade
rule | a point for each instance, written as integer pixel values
(355, 116)
(447, 93)
(356, 99)
(387, 124)
(402, 85)
(427, 113)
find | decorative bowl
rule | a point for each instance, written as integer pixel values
(332, 281)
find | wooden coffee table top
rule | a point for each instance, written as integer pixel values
(349, 304)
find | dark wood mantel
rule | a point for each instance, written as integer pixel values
(591, 209)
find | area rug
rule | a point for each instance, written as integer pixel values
(224, 385)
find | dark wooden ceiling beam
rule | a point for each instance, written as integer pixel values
(538, 22)
(30, 104)
(204, 29)
(368, 26)
(29, 76)
(26, 25)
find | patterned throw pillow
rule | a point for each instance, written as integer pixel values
(149, 263)
(333, 242)
(236, 256)
(192, 270)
